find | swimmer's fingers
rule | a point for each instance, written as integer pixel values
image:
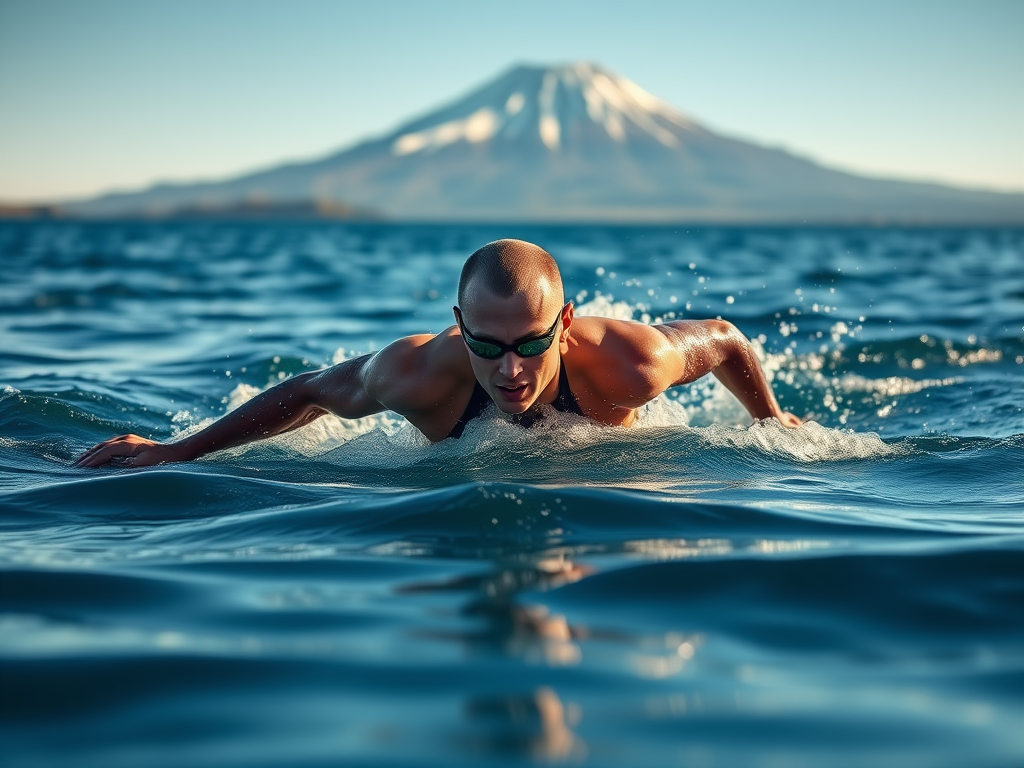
(790, 420)
(126, 450)
(88, 458)
(102, 453)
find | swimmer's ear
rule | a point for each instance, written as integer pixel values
(567, 316)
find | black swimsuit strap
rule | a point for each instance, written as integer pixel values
(478, 401)
(566, 400)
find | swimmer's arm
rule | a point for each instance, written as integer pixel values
(700, 347)
(282, 408)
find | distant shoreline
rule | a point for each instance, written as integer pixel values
(252, 211)
(300, 213)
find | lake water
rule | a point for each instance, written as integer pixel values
(694, 591)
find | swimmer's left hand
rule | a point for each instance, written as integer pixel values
(790, 420)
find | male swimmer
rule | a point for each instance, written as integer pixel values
(515, 344)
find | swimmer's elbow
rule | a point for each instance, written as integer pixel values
(728, 342)
(700, 347)
(724, 332)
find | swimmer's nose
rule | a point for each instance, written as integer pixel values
(511, 365)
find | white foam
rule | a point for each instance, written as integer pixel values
(606, 306)
(727, 425)
(388, 441)
(810, 442)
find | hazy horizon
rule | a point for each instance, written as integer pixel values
(108, 95)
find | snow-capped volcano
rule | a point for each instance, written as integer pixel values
(569, 142)
(554, 104)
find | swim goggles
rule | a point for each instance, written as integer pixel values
(490, 349)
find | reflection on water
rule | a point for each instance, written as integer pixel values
(666, 658)
(538, 725)
(536, 634)
(530, 632)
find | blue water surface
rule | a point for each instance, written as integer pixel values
(693, 591)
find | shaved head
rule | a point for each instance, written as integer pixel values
(505, 268)
(510, 295)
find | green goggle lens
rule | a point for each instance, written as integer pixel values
(534, 348)
(483, 349)
(493, 350)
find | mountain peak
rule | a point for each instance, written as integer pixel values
(549, 103)
(571, 142)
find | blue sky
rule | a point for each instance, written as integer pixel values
(116, 94)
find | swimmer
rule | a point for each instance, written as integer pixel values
(515, 343)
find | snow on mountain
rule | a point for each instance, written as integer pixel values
(547, 101)
(572, 142)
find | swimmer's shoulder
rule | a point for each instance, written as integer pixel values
(617, 361)
(606, 340)
(419, 372)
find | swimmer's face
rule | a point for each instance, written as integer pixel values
(513, 382)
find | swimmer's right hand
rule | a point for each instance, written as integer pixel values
(128, 451)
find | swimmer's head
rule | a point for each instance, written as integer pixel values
(507, 267)
(510, 292)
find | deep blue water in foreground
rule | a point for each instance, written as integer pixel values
(691, 592)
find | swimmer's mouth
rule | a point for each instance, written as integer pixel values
(512, 392)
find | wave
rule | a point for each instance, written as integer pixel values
(203, 511)
(819, 601)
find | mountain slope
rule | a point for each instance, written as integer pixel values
(572, 142)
